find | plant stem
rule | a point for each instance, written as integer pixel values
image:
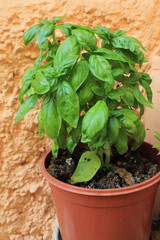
(104, 153)
(107, 152)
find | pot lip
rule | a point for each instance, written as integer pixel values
(97, 192)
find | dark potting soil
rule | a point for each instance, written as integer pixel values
(129, 169)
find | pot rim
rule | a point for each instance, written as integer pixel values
(98, 192)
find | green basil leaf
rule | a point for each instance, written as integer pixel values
(128, 113)
(40, 59)
(141, 109)
(88, 165)
(41, 131)
(55, 148)
(133, 78)
(68, 103)
(101, 68)
(112, 105)
(157, 135)
(68, 52)
(100, 139)
(124, 42)
(126, 67)
(31, 33)
(99, 89)
(115, 94)
(51, 117)
(128, 125)
(30, 92)
(94, 121)
(27, 77)
(117, 71)
(88, 29)
(71, 145)
(86, 55)
(85, 92)
(52, 50)
(64, 29)
(148, 89)
(45, 31)
(130, 52)
(109, 54)
(140, 98)
(129, 56)
(105, 32)
(40, 83)
(106, 44)
(70, 26)
(113, 130)
(140, 56)
(139, 135)
(53, 84)
(50, 73)
(52, 78)
(76, 132)
(108, 87)
(29, 74)
(75, 135)
(45, 21)
(157, 146)
(79, 74)
(45, 45)
(86, 39)
(138, 43)
(69, 62)
(146, 77)
(24, 89)
(122, 142)
(118, 33)
(62, 137)
(26, 106)
(56, 19)
(128, 96)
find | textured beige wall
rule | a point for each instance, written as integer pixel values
(26, 211)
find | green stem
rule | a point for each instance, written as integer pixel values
(54, 37)
(104, 153)
(107, 152)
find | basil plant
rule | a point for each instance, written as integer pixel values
(89, 89)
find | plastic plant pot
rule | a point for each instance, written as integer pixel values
(91, 214)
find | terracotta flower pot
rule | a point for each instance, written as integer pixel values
(105, 214)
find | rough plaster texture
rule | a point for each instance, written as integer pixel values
(26, 211)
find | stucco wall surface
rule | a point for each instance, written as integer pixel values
(26, 211)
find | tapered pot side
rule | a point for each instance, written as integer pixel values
(112, 214)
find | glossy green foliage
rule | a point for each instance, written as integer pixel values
(68, 103)
(122, 142)
(86, 39)
(67, 53)
(94, 121)
(157, 135)
(88, 165)
(101, 68)
(88, 87)
(40, 83)
(51, 117)
(26, 106)
(113, 130)
(79, 74)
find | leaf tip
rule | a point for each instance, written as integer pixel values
(16, 120)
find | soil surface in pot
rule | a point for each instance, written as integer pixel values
(129, 169)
